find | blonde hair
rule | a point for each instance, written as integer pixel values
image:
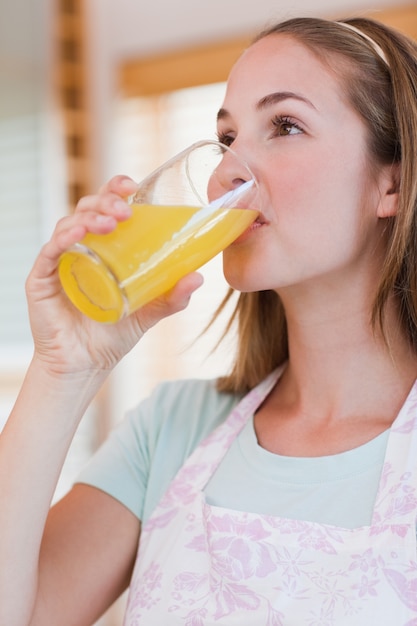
(383, 90)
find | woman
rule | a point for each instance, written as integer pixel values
(300, 506)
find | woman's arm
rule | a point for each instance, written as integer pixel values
(33, 447)
(72, 357)
(87, 556)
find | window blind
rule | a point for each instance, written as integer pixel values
(20, 220)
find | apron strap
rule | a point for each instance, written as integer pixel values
(204, 460)
(396, 502)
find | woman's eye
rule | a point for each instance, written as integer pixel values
(284, 126)
(225, 139)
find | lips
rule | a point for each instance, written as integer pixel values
(260, 220)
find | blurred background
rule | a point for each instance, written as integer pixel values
(94, 88)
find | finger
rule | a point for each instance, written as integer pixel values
(77, 226)
(179, 296)
(71, 230)
(120, 185)
(175, 300)
(47, 260)
(106, 204)
(97, 214)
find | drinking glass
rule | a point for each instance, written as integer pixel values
(183, 214)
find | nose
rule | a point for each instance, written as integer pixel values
(233, 168)
(231, 172)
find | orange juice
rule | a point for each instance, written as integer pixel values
(109, 276)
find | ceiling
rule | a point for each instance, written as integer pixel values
(137, 28)
(122, 29)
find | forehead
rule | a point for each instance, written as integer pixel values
(280, 62)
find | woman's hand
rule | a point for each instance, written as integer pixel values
(66, 340)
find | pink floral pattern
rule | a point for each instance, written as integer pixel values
(200, 565)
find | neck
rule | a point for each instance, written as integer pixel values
(339, 365)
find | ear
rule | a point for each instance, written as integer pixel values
(389, 186)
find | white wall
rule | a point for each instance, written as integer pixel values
(124, 29)
(30, 175)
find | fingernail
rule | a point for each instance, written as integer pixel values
(122, 208)
(105, 219)
(128, 183)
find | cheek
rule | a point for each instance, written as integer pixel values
(319, 188)
(318, 210)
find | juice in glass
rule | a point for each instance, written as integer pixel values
(108, 276)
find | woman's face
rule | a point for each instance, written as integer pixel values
(286, 114)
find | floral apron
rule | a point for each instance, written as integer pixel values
(202, 565)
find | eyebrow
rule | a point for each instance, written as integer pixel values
(269, 100)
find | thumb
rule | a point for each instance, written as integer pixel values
(179, 296)
(173, 301)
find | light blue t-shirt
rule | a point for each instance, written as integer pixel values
(143, 454)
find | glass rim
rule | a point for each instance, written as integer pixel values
(194, 146)
(223, 146)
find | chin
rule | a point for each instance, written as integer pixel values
(241, 281)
